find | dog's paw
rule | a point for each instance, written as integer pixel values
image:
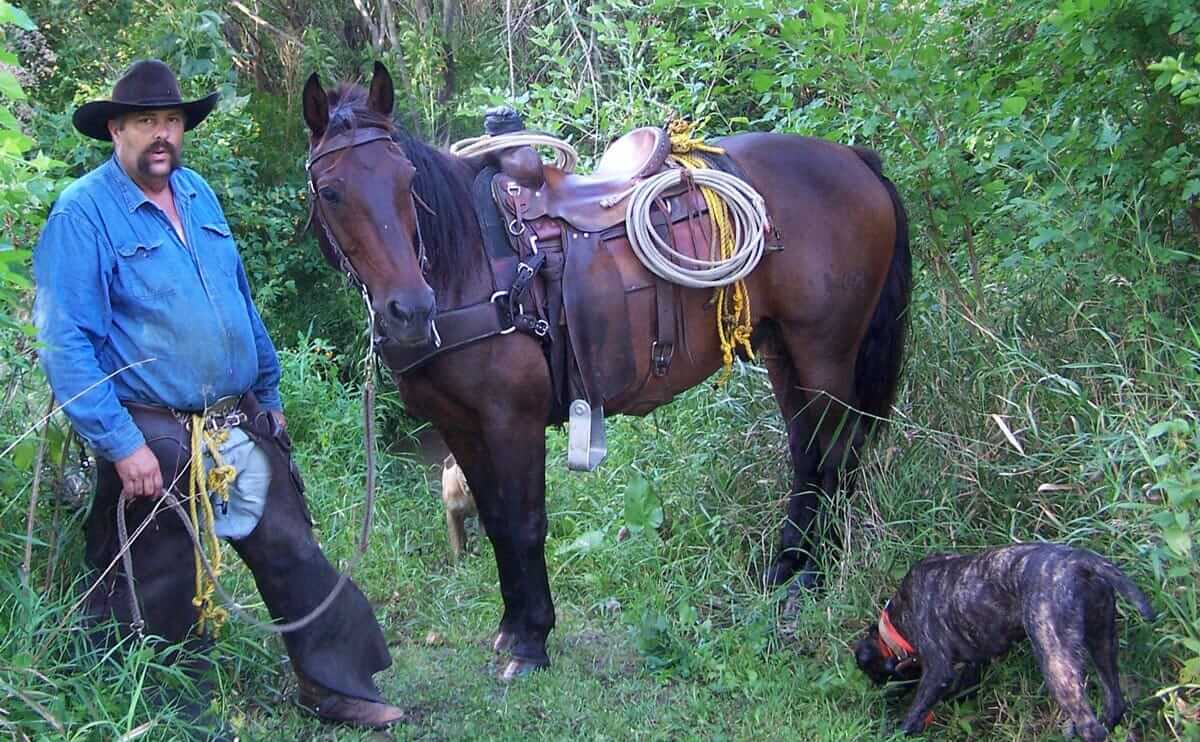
(1090, 731)
(916, 724)
(1113, 717)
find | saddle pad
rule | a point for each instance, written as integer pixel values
(491, 221)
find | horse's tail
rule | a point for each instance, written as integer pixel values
(881, 355)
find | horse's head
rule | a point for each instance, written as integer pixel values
(361, 181)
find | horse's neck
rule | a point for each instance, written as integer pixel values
(474, 282)
(473, 287)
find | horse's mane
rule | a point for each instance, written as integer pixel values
(443, 182)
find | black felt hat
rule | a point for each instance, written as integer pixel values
(147, 85)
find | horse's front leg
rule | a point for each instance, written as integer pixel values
(516, 523)
(472, 455)
(506, 471)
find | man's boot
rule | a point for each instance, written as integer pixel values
(333, 706)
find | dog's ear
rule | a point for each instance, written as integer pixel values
(866, 653)
(868, 657)
(889, 665)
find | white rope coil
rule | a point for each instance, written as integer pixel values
(748, 214)
(565, 155)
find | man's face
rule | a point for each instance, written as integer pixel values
(148, 143)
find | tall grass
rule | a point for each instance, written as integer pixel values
(664, 632)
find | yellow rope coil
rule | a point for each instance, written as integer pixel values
(217, 480)
(733, 303)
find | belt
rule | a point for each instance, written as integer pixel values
(222, 406)
(223, 413)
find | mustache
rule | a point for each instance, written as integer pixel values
(161, 146)
(143, 160)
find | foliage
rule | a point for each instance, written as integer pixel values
(1047, 154)
(28, 182)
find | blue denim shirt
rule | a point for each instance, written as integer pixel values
(119, 293)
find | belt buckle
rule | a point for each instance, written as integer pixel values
(224, 413)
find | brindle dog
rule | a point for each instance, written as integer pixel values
(953, 613)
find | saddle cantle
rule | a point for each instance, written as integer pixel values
(587, 202)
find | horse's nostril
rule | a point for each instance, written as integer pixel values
(396, 309)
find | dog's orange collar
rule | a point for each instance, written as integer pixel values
(891, 642)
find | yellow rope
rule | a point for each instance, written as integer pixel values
(733, 303)
(199, 485)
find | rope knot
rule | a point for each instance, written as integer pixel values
(679, 131)
(219, 479)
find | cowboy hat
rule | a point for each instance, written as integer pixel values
(146, 86)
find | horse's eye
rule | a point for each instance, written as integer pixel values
(330, 195)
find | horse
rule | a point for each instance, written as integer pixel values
(828, 310)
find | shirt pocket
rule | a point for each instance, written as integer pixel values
(143, 269)
(219, 244)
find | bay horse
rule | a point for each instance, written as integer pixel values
(828, 312)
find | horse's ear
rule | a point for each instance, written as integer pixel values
(316, 106)
(382, 97)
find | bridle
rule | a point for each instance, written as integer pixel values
(450, 329)
(338, 143)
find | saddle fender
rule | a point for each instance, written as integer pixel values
(597, 317)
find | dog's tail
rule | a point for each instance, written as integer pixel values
(1113, 575)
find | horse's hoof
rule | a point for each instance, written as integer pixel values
(808, 579)
(504, 642)
(778, 574)
(520, 668)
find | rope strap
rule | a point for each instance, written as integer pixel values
(739, 219)
(199, 485)
(565, 156)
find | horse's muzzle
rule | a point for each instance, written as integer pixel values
(407, 323)
(418, 338)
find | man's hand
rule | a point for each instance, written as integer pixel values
(280, 420)
(140, 473)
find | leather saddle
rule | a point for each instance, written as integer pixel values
(586, 202)
(612, 324)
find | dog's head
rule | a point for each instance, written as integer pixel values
(879, 663)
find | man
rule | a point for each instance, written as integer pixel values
(148, 328)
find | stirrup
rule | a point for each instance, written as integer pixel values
(586, 442)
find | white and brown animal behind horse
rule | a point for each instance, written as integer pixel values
(458, 503)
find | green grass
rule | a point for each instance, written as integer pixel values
(665, 634)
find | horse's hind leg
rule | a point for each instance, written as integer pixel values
(824, 437)
(802, 500)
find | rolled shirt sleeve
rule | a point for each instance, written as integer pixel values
(73, 268)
